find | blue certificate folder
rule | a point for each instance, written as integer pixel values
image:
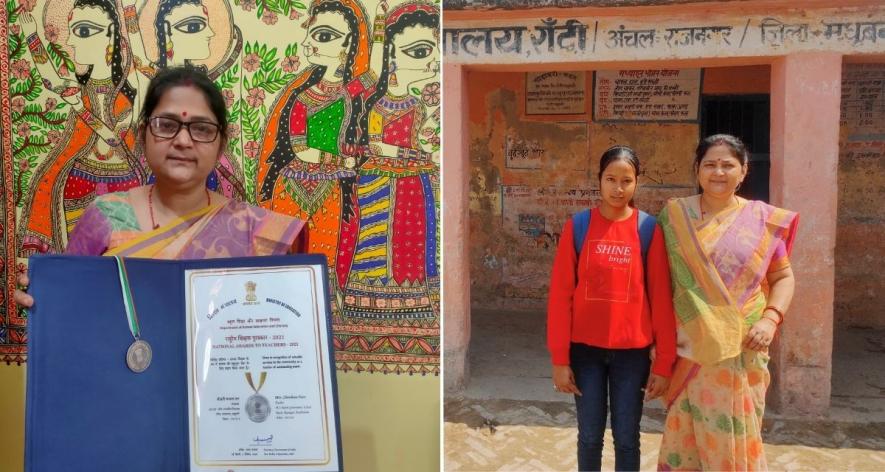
(85, 409)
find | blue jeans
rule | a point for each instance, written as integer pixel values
(618, 377)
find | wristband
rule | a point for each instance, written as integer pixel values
(38, 52)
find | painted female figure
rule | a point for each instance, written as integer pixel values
(311, 145)
(181, 32)
(187, 21)
(394, 268)
(97, 157)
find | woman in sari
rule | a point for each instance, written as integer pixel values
(732, 283)
(183, 129)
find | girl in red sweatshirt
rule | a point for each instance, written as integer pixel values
(609, 303)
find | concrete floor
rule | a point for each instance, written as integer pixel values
(509, 417)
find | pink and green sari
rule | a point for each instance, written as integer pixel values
(230, 229)
(717, 393)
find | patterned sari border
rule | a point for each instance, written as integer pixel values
(677, 385)
(699, 248)
(161, 233)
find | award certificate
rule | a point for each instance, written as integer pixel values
(260, 386)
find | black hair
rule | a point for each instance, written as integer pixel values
(185, 76)
(353, 134)
(620, 152)
(282, 153)
(736, 146)
(351, 42)
(118, 78)
(164, 29)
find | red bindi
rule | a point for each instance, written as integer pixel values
(183, 114)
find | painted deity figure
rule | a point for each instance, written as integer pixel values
(394, 272)
(181, 32)
(96, 154)
(188, 22)
(312, 142)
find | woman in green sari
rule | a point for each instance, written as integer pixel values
(732, 284)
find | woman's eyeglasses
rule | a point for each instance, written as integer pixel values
(168, 128)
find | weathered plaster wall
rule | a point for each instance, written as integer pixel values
(511, 268)
(860, 286)
(516, 215)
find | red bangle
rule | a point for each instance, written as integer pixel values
(777, 323)
(780, 314)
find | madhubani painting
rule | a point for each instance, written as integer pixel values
(335, 118)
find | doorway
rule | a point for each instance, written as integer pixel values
(747, 117)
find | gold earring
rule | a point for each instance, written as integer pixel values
(392, 80)
(342, 57)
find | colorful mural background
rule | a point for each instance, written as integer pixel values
(334, 108)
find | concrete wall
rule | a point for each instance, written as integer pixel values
(805, 96)
(517, 214)
(501, 261)
(860, 286)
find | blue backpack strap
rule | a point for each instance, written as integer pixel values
(580, 225)
(646, 225)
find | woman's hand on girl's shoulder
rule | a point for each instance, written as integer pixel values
(21, 297)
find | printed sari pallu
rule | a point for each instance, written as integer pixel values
(229, 229)
(717, 394)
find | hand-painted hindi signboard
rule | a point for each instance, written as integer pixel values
(863, 101)
(520, 153)
(534, 216)
(539, 212)
(555, 93)
(568, 39)
(646, 95)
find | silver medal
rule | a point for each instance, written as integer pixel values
(138, 356)
(258, 408)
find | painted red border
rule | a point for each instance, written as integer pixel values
(9, 353)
